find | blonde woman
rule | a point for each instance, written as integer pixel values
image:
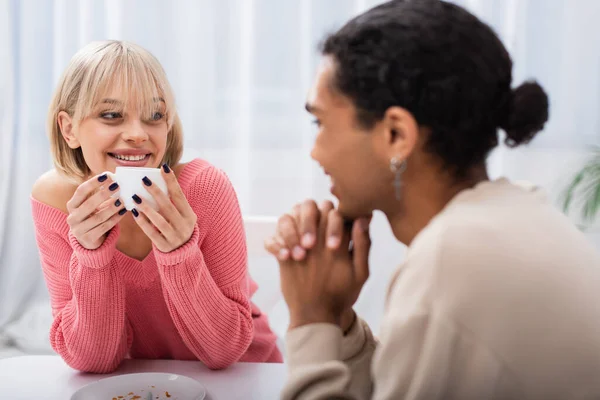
(166, 284)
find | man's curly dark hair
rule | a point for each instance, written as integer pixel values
(444, 66)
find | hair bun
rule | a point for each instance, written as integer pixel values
(527, 113)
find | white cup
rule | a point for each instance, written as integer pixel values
(130, 183)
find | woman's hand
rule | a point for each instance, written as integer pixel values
(173, 224)
(321, 277)
(93, 212)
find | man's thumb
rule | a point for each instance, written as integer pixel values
(361, 247)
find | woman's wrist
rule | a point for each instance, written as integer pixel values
(180, 254)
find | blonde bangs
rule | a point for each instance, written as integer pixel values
(130, 75)
(111, 70)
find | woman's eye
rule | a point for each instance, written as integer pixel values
(317, 122)
(111, 115)
(157, 116)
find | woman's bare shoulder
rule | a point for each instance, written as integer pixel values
(54, 189)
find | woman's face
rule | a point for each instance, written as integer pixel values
(115, 135)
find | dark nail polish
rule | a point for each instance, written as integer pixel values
(166, 168)
(122, 211)
(117, 203)
(147, 181)
(102, 178)
(113, 186)
(135, 212)
(137, 199)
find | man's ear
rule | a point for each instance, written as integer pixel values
(65, 124)
(401, 132)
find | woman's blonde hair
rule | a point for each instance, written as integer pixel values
(91, 73)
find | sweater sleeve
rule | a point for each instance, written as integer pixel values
(87, 295)
(332, 366)
(205, 282)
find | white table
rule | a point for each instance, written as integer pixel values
(49, 378)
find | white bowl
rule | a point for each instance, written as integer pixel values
(161, 386)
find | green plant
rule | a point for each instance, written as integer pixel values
(585, 189)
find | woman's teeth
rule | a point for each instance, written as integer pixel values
(129, 158)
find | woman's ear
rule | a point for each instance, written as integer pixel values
(65, 124)
(401, 132)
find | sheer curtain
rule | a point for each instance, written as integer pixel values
(241, 70)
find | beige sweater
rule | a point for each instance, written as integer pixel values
(499, 298)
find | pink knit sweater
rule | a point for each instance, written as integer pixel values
(189, 304)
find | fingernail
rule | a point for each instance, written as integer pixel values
(364, 224)
(102, 178)
(283, 254)
(117, 203)
(166, 168)
(113, 186)
(333, 242)
(147, 181)
(308, 239)
(137, 199)
(135, 212)
(123, 211)
(298, 253)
